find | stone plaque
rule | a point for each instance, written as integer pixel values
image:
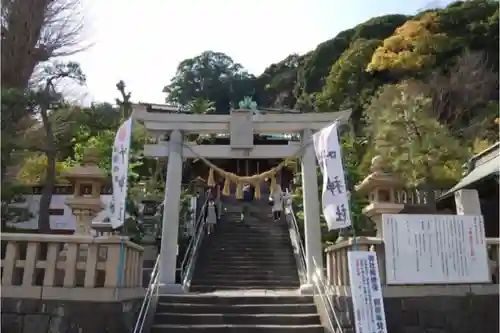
(241, 129)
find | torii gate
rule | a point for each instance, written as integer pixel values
(160, 120)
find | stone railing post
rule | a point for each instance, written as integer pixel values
(380, 187)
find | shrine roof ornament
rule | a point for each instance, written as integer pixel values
(248, 104)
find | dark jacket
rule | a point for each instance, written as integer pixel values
(248, 193)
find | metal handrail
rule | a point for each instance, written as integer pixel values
(151, 292)
(322, 289)
(187, 265)
(319, 284)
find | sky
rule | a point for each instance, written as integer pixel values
(142, 42)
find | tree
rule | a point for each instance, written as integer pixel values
(34, 31)
(124, 102)
(212, 76)
(275, 87)
(434, 38)
(465, 97)
(201, 106)
(318, 63)
(349, 86)
(403, 130)
(103, 139)
(48, 98)
(412, 47)
(34, 170)
(347, 77)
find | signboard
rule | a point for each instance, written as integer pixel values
(435, 249)
(367, 300)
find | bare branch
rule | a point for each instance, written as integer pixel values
(469, 85)
(34, 31)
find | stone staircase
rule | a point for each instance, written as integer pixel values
(256, 254)
(245, 280)
(224, 313)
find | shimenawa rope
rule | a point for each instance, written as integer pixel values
(254, 180)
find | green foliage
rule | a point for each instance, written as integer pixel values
(212, 76)
(412, 47)
(201, 106)
(319, 62)
(34, 169)
(103, 142)
(418, 147)
(275, 87)
(349, 86)
(12, 193)
(432, 39)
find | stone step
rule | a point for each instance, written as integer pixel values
(243, 249)
(263, 214)
(249, 251)
(283, 275)
(250, 256)
(219, 235)
(235, 262)
(251, 234)
(244, 268)
(292, 308)
(241, 245)
(212, 288)
(246, 283)
(236, 299)
(247, 271)
(237, 328)
(257, 319)
(231, 260)
(236, 239)
(251, 225)
(227, 265)
(270, 246)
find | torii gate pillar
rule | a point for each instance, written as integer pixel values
(170, 222)
(312, 227)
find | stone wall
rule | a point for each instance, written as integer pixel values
(44, 316)
(431, 314)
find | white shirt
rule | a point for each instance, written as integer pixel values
(277, 198)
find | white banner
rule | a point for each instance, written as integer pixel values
(119, 173)
(435, 249)
(335, 197)
(367, 299)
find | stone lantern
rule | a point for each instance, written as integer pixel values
(86, 206)
(380, 187)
